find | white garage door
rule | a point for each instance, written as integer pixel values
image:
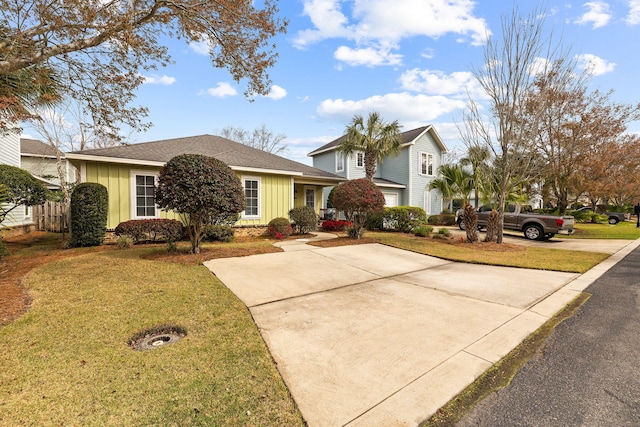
(390, 200)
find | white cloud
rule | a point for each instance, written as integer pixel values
(435, 82)
(596, 65)
(276, 92)
(377, 26)
(221, 90)
(633, 18)
(159, 80)
(369, 56)
(598, 14)
(401, 106)
(201, 47)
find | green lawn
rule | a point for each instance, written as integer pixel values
(527, 257)
(623, 230)
(67, 362)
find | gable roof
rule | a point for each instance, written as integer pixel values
(237, 156)
(407, 138)
(35, 147)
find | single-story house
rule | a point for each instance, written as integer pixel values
(403, 179)
(273, 185)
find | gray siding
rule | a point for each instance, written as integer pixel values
(354, 172)
(327, 162)
(396, 168)
(10, 148)
(10, 155)
(420, 183)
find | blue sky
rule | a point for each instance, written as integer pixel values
(408, 59)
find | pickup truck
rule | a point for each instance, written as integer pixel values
(535, 226)
(613, 217)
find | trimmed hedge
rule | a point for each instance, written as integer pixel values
(404, 218)
(304, 219)
(89, 209)
(169, 230)
(398, 218)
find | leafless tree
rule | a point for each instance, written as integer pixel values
(507, 77)
(261, 138)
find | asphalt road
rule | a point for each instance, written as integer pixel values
(589, 371)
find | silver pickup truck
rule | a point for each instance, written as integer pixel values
(535, 226)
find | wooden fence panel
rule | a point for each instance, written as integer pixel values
(51, 216)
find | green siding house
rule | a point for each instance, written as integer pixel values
(273, 185)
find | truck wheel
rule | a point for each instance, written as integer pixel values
(613, 220)
(461, 224)
(533, 232)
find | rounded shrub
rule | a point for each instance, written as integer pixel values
(88, 211)
(219, 233)
(304, 219)
(280, 228)
(423, 231)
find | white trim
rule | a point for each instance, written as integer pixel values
(133, 196)
(426, 203)
(358, 154)
(433, 164)
(259, 181)
(315, 198)
(339, 164)
(137, 162)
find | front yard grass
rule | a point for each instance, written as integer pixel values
(520, 256)
(626, 230)
(67, 362)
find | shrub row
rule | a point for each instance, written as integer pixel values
(442, 219)
(398, 218)
(336, 225)
(169, 230)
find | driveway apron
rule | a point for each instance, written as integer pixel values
(370, 335)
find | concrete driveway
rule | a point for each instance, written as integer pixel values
(370, 335)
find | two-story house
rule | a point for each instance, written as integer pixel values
(19, 217)
(39, 159)
(403, 179)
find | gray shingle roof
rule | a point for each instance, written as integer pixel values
(36, 147)
(232, 153)
(405, 137)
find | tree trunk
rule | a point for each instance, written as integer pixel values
(492, 227)
(470, 218)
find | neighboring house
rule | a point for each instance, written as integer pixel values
(10, 155)
(404, 179)
(273, 185)
(39, 159)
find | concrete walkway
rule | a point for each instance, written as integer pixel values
(370, 335)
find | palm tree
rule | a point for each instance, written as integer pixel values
(478, 157)
(376, 138)
(454, 181)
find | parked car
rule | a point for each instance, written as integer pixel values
(535, 226)
(613, 217)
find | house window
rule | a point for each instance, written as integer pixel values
(252, 197)
(359, 160)
(339, 162)
(145, 203)
(426, 164)
(310, 197)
